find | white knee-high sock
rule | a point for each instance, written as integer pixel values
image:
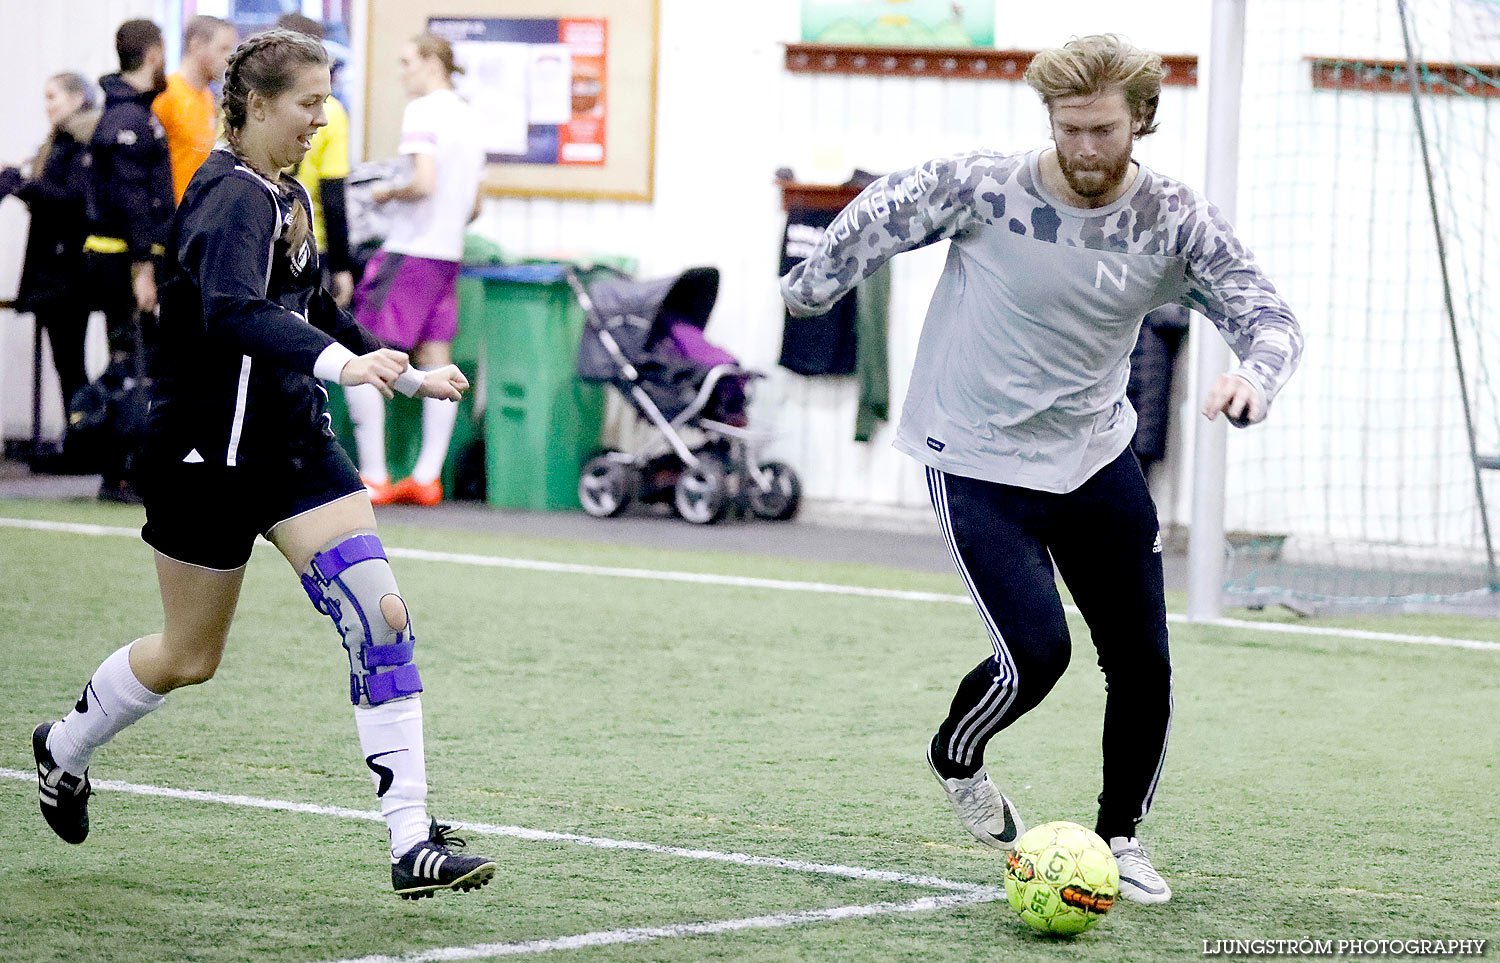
(438, 417)
(113, 699)
(367, 412)
(391, 737)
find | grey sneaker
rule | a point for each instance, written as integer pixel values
(1139, 880)
(985, 813)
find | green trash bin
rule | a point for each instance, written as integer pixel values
(540, 422)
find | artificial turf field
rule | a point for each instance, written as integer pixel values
(1320, 786)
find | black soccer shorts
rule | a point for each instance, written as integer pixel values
(209, 515)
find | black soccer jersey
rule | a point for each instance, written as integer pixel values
(243, 319)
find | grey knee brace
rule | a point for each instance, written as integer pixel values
(347, 583)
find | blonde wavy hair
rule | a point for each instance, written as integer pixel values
(1087, 66)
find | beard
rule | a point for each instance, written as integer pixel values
(1097, 178)
(159, 80)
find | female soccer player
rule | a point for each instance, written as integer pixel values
(239, 445)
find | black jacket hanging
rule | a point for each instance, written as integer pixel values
(825, 344)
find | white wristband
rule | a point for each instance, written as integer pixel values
(408, 381)
(330, 363)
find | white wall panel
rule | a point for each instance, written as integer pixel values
(729, 114)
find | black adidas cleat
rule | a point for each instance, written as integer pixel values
(431, 866)
(64, 797)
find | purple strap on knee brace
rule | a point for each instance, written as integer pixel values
(314, 591)
(385, 686)
(328, 606)
(398, 653)
(328, 565)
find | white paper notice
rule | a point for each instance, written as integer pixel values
(550, 94)
(495, 83)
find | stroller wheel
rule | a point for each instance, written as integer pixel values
(782, 494)
(702, 493)
(606, 485)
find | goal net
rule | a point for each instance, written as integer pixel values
(1367, 485)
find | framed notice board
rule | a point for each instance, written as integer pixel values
(565, 89)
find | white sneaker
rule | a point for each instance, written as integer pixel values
(985, 813)
(1139, 880)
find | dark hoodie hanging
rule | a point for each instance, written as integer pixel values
(825, 344)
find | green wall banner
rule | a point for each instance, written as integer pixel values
(900, 23)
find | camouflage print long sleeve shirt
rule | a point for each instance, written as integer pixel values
(1024, 356)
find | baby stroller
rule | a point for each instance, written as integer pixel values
(646, 339)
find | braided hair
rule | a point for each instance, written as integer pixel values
(268, 63)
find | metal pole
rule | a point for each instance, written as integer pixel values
(1413, 80)
(34, 458)
(1211, 354)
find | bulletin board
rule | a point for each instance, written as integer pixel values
(605, 148)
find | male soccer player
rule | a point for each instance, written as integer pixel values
(1017, 406)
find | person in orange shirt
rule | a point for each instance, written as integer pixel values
(186, 108)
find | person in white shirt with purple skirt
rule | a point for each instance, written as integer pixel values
(409, 293)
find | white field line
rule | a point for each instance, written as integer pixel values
(644, 934)
(533, 835)
(783, 585)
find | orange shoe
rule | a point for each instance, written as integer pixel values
(409, 491)
(381, 493)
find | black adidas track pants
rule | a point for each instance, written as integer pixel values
(1104, 540)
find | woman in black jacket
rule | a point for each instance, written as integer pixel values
(55, 192)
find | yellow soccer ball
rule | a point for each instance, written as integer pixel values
(1061, 878)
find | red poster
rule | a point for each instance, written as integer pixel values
(581, 139)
